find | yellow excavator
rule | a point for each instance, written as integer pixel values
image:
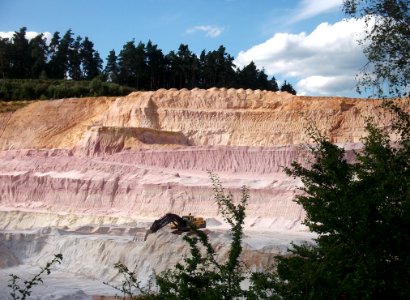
(179, 224)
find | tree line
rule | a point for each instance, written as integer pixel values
(143, 66)
(64, 57)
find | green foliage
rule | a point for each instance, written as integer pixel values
(361, 212)
(21, 289)
(263, 286)
(28, 89)
(287, 87)
(111, 70)
(68, 57)
(387, 44)
(201, 276)
(250, 77)
(131, 288)
(142, 66)
(10, 106)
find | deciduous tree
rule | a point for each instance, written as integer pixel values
(386, 45)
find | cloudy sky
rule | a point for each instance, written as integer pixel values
(306, 42)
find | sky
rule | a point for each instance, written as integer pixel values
(309, 43)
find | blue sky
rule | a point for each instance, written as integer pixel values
(293, 40)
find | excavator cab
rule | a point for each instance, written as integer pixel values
(197, 222)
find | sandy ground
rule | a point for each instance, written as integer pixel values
(90, 252)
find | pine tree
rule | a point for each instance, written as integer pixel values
(52, 65)
(74, 59)
(20, 56)
(90, 59)
(111, 70)
(273, 84)
(248, 76)
(59, 62)
(155, 64)
(5, 58)
(140, 66)
(287, 87)
(127, 64)
(225, 74)
(38, 55)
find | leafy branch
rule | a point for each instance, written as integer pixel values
(21, 289)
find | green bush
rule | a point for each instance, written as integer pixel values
(361, 212)
(200, 276)
(41, 89)
(21, 289)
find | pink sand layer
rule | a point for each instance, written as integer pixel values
(149, 183)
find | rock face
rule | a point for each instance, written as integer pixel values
(181, 117)
(129, 160)
(148, 153)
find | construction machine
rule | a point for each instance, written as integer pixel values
(179, 224)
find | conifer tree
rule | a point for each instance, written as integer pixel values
(287, 87)
(91, 61)
(20, 55)
(111, 70)
(38, 54)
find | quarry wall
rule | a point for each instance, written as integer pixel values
(148, 153)
(82, 177)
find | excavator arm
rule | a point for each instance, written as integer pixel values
(179, 222)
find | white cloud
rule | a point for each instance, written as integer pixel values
(6, 35)
(323, 62)
(325, 85)
(29, 35)
(309, 8)
(211, 31)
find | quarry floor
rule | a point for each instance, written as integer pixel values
(90, 252)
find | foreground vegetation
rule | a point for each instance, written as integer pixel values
(21, 289)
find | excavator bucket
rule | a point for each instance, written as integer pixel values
(149, 231)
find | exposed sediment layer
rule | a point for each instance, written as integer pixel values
(148, 183)
(198, 117)
(90, 253)
(148, 153)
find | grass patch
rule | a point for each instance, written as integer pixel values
(45, 89)
(11, 106)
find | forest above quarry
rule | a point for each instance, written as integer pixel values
(31, 68)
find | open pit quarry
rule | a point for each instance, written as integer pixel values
(83, 177)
